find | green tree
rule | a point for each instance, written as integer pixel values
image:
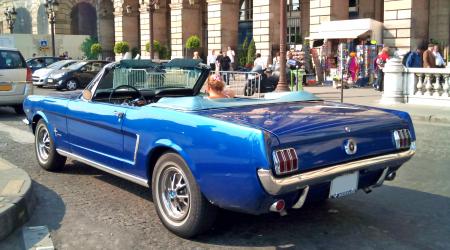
(86, 47)
(193, 42)
(242, 53)
(96, 49)
(121, 48)
(156, 46)
(251, 53)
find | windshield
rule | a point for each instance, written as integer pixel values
(60, 64)
(149, 76)
(76, 65)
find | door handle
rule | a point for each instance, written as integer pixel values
(119, 114)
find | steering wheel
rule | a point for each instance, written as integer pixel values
(141, 97)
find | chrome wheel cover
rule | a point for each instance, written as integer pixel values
(174, 193)
(43, 144)
(71, 85)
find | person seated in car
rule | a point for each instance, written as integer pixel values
(215, 88)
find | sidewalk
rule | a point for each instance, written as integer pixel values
(16, 198)
(370, 97)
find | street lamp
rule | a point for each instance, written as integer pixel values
(151, 7)
(282, 84)
(51, 6)
(11, 16)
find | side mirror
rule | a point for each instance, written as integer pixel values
(87, 95)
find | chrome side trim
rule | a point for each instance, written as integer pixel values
(301, 200)
(138, 141)
(276, 186)
(132, 178)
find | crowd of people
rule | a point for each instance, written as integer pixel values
(430, 58)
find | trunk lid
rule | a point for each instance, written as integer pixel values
(318, 130)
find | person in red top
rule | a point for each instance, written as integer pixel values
(381, 60)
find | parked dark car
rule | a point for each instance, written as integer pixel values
(41, 62)
(75, 76)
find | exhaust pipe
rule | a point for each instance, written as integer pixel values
(391, 176)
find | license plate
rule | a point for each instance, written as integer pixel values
(7, 87)
(344, 185)
(50, 80)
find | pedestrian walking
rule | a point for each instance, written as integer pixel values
(211, 59)
(380, 61)
(429, 60)
(439, 60)
(414, 59)
(225, 65)
(231, 54)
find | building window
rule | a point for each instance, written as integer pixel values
(353, 9)
(293, 5)
(293, 33)
(246, 10)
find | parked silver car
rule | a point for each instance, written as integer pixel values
(15, 79)
(40, 76)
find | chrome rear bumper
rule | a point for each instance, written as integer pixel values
(276, 186)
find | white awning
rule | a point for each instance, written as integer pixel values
(348, 29)
(338, 34)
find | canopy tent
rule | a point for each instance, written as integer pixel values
(351, 29)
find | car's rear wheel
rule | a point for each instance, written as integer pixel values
(19, 109)
(72, 84)
(178, 200)
(45, 149)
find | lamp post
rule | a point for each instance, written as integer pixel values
(11, 16)
(151, 7)
(51, 6)
(282, 84)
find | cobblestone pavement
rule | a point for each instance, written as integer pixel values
(85, 208)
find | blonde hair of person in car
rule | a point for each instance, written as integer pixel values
(215, 88)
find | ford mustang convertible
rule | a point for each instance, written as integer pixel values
(153, 125)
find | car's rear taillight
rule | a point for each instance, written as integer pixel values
(29, 75)
(402, 138)
(285, 161)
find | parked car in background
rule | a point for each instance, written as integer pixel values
(40, 76)
(77, 75)
(152, 125)
(15, 79)
(41, 62)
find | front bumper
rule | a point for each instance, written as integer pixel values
(277, 186)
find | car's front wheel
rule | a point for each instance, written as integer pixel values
(178, 200)
(45, 149)
(72, 84)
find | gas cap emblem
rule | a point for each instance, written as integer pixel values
(347, 129)
(350, 147)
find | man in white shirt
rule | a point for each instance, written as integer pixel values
(259, 61)
(231, 55)
(211, 60)
(439, 60)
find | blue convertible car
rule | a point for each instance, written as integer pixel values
(152, 125)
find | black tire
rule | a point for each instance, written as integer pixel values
(39, 86)
(184, 220)
(19, 109)
(45, 150)
(72, 84)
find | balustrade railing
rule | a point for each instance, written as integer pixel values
(433, 83)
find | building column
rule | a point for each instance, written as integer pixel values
(321, 11)
(399, 15)
(185, 21)
(266, 27)
(160, 26)
(126, 24)
(223, 23)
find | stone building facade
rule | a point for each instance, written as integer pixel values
(219, 23)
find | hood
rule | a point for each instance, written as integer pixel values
(43, 73)
(317, 129)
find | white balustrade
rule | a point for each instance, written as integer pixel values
(427, 86)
